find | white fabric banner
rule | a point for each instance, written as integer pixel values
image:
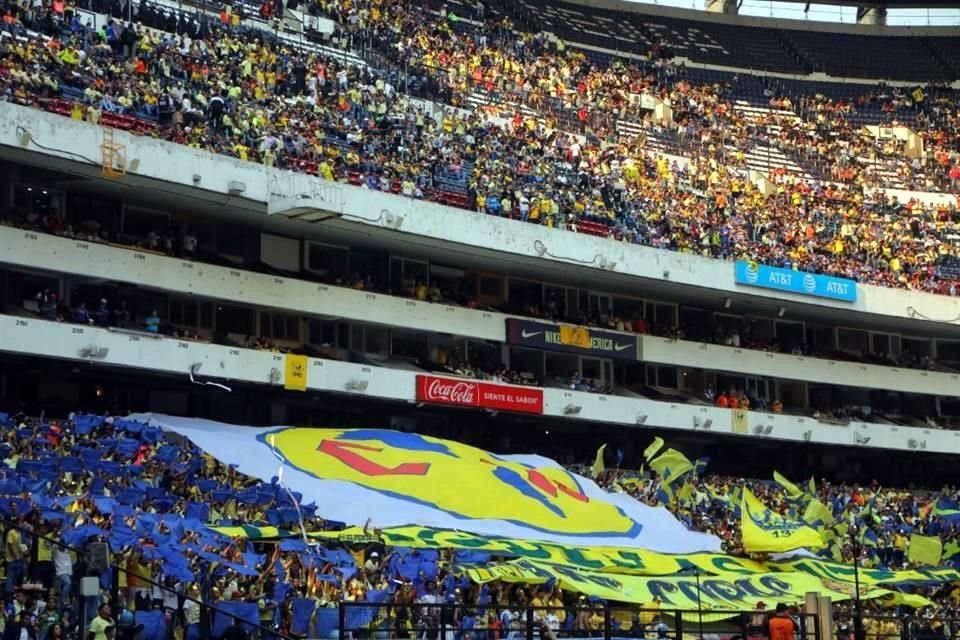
(395, 478)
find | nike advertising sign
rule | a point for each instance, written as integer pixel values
(585, 341)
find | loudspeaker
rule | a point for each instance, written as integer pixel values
(98, 557)
(90, 587)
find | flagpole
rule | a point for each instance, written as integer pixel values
(696, 573)
(858, 633)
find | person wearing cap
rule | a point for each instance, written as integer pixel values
(781, 625)
(372, 565)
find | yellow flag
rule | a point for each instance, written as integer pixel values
(687, 493)
(655, 446)
(670, 465)
(598, 467)
(791, 489)
(818, 512)
(767, 532)
(296, 373)
(925, 549)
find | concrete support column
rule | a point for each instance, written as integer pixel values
(875, 16)
(728, 7)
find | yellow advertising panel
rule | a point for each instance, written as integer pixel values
(739, 421)
(295, 378)
(575, 336)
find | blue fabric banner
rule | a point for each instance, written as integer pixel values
(154, 624)
(246, 612)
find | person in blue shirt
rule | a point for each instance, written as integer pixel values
(153, 322)
(102, 313)
(493, 205)
(81, 315)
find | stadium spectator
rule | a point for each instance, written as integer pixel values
(152, 322)
(102, 623)
(781, 625)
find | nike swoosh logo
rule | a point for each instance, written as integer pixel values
(529, 334)
(621, 347)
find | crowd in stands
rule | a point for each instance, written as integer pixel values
(734, 332)
(870, 520)
(173, 241)
(237, 92)
(75, 483)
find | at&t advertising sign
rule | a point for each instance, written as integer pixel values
(800, 282)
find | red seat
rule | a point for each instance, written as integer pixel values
(593, 228)
(453, 199)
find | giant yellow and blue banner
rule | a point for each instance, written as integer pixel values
(631, 561)
(716, 593)
(393, 478)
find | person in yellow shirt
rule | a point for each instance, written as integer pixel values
(42, 569)
(650, 612)
(13, 555)
(100, 625)
(420, 291)
(325, 171)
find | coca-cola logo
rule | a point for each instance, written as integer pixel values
(439, 390)
(486, 395)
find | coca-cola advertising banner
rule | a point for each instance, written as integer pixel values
(483, 395)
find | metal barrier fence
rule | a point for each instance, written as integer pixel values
(903, 627)
(210, 621)
(425, 621)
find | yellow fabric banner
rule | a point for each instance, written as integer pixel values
(295, 378)
(670, 465)
(251, 532)
(791, 489)
(575, 336)
(619, 561)
(653, 448)
(925, 549)
(767, 532)
(598, 466)
(818, 512)
(715, 593)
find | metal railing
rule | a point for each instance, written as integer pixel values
(207, 611)
(458, 621)
(905, 626)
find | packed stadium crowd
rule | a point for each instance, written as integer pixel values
(888, 516)
(233, 90)
(185, 528)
